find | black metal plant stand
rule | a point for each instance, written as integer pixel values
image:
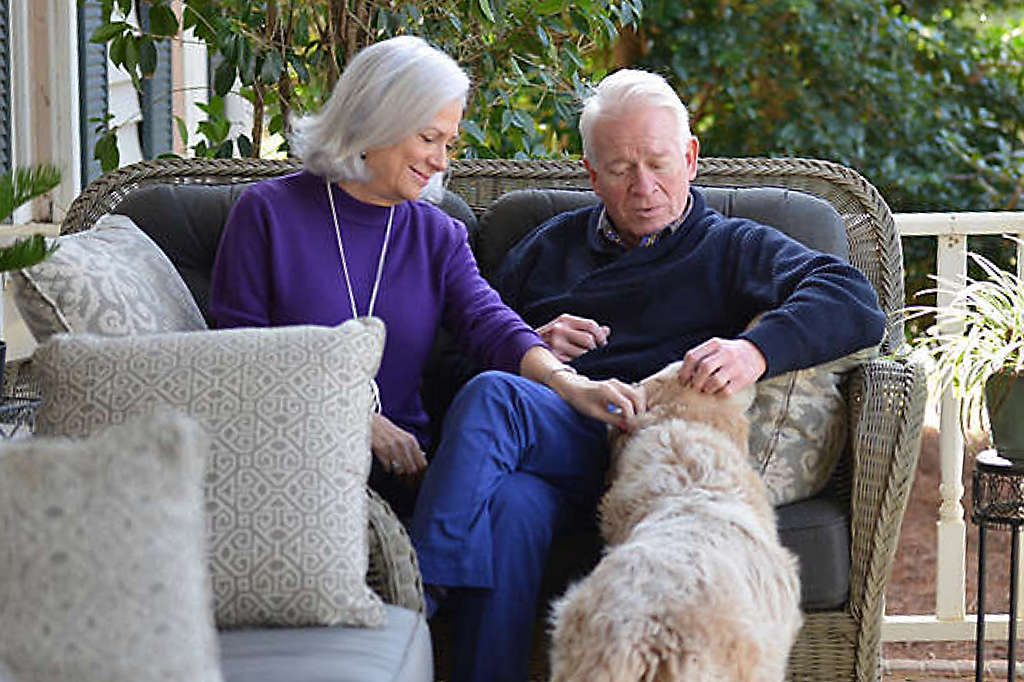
(998, 502)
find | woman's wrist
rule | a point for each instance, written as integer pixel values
(554, 371)
(562, 380)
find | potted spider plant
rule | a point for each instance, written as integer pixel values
(984, 365)
(18, 187)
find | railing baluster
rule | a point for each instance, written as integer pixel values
(951, 581)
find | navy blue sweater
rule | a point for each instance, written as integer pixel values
(708, 278)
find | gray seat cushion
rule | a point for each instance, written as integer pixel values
(818, 532)
(398, 652)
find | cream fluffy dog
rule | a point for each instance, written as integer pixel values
(694, 585)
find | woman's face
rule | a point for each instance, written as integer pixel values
(400, 172)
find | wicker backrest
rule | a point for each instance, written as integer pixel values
(874, 244)
(109, 190)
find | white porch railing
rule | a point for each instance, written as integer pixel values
(950, 620)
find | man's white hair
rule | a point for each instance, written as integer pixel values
(623, 91)
(387, 92)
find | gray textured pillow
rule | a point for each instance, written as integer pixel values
(102, 564)
(111, 280)
(288, 412)
(798, 428)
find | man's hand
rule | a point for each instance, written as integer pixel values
(570, 337)
(722, 365)
(397, 450)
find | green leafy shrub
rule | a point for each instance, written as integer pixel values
(528, 61)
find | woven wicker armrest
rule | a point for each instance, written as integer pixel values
(394, 573)
(887, 401)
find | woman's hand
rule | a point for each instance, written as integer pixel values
(612, 401)
(397, 450)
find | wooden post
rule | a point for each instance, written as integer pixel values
(951, 581)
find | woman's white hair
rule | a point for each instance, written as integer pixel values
(622, 92)
(387, 92)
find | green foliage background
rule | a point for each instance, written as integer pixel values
(528, 60)
(928, 103)
(925, 99)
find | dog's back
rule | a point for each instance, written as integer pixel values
(694, 585)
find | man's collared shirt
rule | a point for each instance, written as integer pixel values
(606, 230)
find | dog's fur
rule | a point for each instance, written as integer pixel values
(694, 585)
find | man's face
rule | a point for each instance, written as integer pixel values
(641, 169)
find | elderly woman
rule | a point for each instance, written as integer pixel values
(347, 236)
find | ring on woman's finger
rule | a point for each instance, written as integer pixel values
(394, 465)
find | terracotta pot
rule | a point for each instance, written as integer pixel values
(1004, 400)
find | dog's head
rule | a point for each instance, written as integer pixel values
(668, 397)
(665, 388)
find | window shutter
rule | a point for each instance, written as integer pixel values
(92, 85)
(155, 100)
(5, 87)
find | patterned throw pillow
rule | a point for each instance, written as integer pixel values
(798, 428)
(111, 280)
(288, 413)
(102, 564)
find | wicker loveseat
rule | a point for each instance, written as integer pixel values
(885, 397)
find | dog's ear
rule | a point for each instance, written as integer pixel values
(656, 385)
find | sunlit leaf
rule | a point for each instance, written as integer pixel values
(25, 252)
(24, 184)
(488, 11)
(182, 130)
(106, 152)
(106, 32)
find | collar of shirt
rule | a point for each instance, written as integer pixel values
(607, 231)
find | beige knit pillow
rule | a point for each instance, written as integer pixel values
(288, 412)
(112, 280)
(798, 428)
(102, 560)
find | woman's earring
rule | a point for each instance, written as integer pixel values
(362, 155)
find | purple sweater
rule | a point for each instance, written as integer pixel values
(278, 264)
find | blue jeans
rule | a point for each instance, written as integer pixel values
(516, 466)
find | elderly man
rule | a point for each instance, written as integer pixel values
(648, 276)
(651, 275)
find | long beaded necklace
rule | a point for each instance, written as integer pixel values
(348, 281)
